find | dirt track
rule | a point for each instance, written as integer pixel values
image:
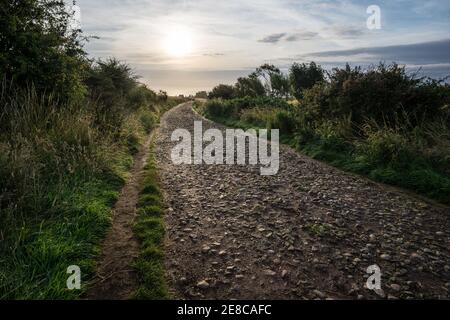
(311, 231)
(116, 279)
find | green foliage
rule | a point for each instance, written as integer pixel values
(201, 95)
(40, 242)
(249, 86)
(116, 92)
(384, 94)
(148, 120)
(304, 76)
(280, 85)
(67, 132)
(222, 91)
(38, 48)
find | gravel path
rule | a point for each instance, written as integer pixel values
(309, 232)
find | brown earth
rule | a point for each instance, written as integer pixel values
(308, 232)
(116, 279)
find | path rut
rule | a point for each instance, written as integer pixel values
(116, 279)
(308, 232)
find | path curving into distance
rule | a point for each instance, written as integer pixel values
(311, 231)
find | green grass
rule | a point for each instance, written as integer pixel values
(63, 219)
(34, 261)
(149, 229)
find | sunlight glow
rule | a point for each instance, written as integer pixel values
(178, 42)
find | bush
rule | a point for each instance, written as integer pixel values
(385, 94)
(214, 108)
(39, 49)
(222, 91)
(284, 121)
(304, 76)
(387, 148)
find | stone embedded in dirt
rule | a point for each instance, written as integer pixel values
(182, 281)
(222, 253)
(206, 249)
(319, 294)
(385, 256)
(395, 287)
(269, 273)
(415, 256)
(284, 273)
(380, 293)
(203, 284)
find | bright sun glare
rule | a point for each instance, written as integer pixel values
(178, 43)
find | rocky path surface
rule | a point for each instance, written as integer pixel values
(308, 232)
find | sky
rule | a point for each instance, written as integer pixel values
(184, 46)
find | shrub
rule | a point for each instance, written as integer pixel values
(385, 94)
(284, 121)
(387, 148)
(214, 108)
(222, 91)
(40, 49)
(304, 76)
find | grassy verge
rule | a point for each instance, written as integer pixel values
(150, 231)
(61, 221)
(36, 254)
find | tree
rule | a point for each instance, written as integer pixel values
(267, 71)
(201, 95)
(222, 91)
(162, 96)
(39, 48)
(112, 85)
(249, 86)
(280, 85)
(304, 76)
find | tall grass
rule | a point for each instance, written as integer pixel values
(60, 174)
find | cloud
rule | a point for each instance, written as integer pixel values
(348, 31)
(214, 54)
(273, 38)
(304, 35)
(434, 52)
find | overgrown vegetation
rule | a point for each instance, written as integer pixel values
(382, 122)
(150, 231)
(68, 129)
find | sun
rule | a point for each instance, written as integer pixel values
(178, 42)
